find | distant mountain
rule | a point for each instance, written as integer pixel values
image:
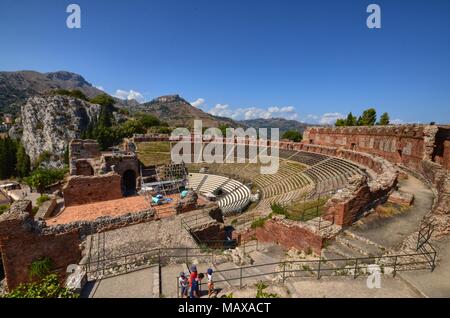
(178, 112)
(17, 87)
(281, 123)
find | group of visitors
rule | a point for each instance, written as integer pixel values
(190, 286)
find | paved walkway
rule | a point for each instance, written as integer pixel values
(390, 232)
(347, 287)
(436, 283)
(139, 284)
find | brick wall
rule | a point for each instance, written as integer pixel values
(87, 189)
(20, 245)
(290, 234)
(24, 240)
(398, 144)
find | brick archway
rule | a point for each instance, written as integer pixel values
(84, 168)
(129, 182)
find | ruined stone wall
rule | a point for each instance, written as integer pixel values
(84, 153)
(290, 234)
(423, 150)
(24, 240)
(19, 246)
(398, 144)
(350, 203)
(88, 189)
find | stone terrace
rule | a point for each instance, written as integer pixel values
(112, 208)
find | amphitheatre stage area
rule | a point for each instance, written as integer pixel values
(345, 211)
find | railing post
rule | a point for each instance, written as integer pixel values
(395, 266)
(418, 241)
(356, 269)
(240, 278)
(434, 262)
(318, 269)
(284, 271)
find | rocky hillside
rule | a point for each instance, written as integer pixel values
(50, 122)
(281, 123)
(178, 112)
(17, 87)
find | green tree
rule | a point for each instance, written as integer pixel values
(129, 128)
(384, 119)
(368, 118)
(105, 136)
(8, 157)
(351, 120)
(23, 162)
(340, 122)
(148, 121)
(74, 93)
(292, 135)
(42, 178)
(105, 118)
(103, 100)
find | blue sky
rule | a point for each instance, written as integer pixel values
(308, 60)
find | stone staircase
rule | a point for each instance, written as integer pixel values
(351, 246)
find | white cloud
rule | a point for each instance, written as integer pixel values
(330, 118)
(397, 121)
(221, 110)
(246, 113)
(198, 103)
(312, 117)
(131, 94)
(99, 87)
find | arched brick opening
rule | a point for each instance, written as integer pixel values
(84, 168)
(129, 183)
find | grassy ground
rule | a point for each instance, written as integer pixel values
(306, 210)
(388, 209)
(154, 153)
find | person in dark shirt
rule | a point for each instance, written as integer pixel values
(195, 288)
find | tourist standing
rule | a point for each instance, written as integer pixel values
(193, 274)
(209, 272)
(195, 288)
(183, 283)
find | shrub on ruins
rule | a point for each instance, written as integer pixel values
(261, 293)
(279, 209)
(4, 208)
(260, 222)
(43, 198)
(40, 268)
(292, 135)
(41, 178)
(47, 287)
